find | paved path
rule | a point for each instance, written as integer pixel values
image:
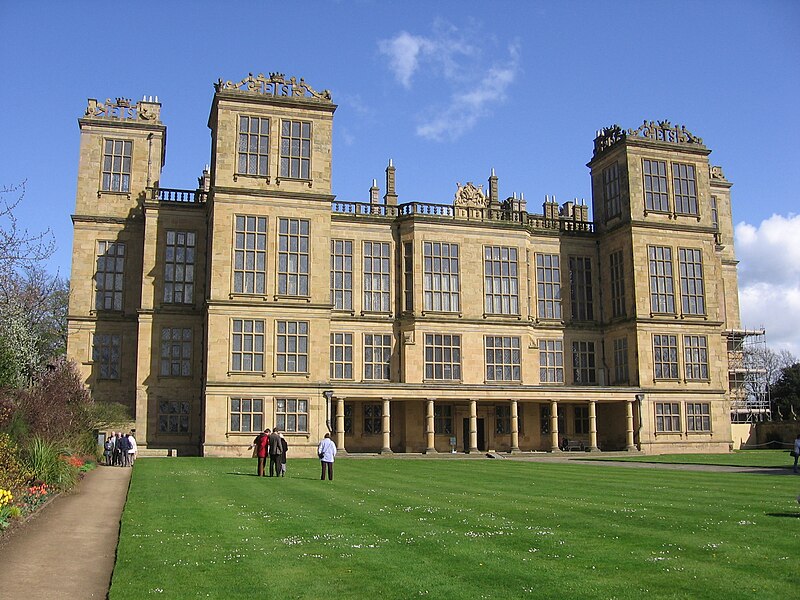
(68, 549)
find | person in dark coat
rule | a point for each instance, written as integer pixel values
(275, 453)
(259, 446)
(285, 448)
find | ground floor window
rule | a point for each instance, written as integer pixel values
(247, 414)
(668, 417)
(698, 416)
(443, 419)
(291, 414)
(582, 419)
(373, 418)
(502, 415)
(173, 416)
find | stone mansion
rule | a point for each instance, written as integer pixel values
(260, 300)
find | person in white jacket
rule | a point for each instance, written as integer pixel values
(132, 450)
(327, 452)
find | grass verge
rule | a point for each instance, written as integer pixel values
(767, 459)
(208, 528)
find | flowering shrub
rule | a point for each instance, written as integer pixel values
(34, 496)
(5, 507)
(13, 474)
(5, 498)
(75, 461)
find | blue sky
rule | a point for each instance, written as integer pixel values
(448, 90)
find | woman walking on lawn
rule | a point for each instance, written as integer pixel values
(326, 452)
(259, 446)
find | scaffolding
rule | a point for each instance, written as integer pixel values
(747, 378)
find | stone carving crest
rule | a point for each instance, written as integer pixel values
(661, 131)
(123, 109)
(470, 196)
(715, 172)
(274, 85)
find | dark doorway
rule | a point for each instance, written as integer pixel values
(481, 435)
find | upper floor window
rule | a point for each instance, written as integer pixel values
(583, 363)
(684, 187)
(665, 356)
(580, 290)
(611, 196)
(501, 282)
(253, 146)
(377, 356)
(548, 285)
(503, 358)
(291, 347)
(695, 357)
(442, 356)
(176, 352)
(342, 274)
(376, 277)
(179, 267)
(293, 257)
(109, 275)
(655, 185)
(714, 213)
(117, 165)
(551, 361)
(621, 373)
(662, 292)
(341, 356)
(247, 345)
(690, 265)
(296, 149)
(408, 276)
(617, 284)
(106, 352)
(440, 277)
(249, 255)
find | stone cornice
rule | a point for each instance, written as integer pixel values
(283, 195)
(105, 220)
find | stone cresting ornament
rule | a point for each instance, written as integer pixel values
(469, 196)
(275, 85)
(660, 131)
(123, 110)
(715, 172)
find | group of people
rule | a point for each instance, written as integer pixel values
(120, 449)
(273, 446)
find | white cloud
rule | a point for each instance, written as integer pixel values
(470, 82)
(769, 279)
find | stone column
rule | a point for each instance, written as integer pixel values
(473, 426)
(430, 438)
(554, 426)
(593, 426)
(629, 427)
(386, 427)
(514, 427)
(340, 426)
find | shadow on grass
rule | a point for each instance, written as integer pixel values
(789, 515)
(267, 477)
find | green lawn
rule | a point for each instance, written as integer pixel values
(738, 458)
(455, 529)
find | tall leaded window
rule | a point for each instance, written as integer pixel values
(690, 266)
(698, 416)
(291, 414)
(580, 290)
(582, 419)
(106, 352)
(179, 267)
(503, 358)
(617, 284)
(117, 165)
(247, 415)
(655, 185)
(685, 189)
(502, 419)
(377, 276)
(173, 416)
(176, 352)
(611, 196)
(665, 356)
(109, 275)
(714, 213)
(408, 276)
(293, 257)
(443, 419)
(373, 418)
(341, 355)
(442, 356)
(621, 372)
(291, 347)
(501, 280)
(247, 345)
(548, 285)
(695, 356)
(296, 149)
(342, 274)
(249, 254)
(584, 370)
(551, 361)
(441, 289)
(377, 356)
(253, 152)
(662, 291)
(668, 417)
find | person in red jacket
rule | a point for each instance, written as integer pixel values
(261, 445)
